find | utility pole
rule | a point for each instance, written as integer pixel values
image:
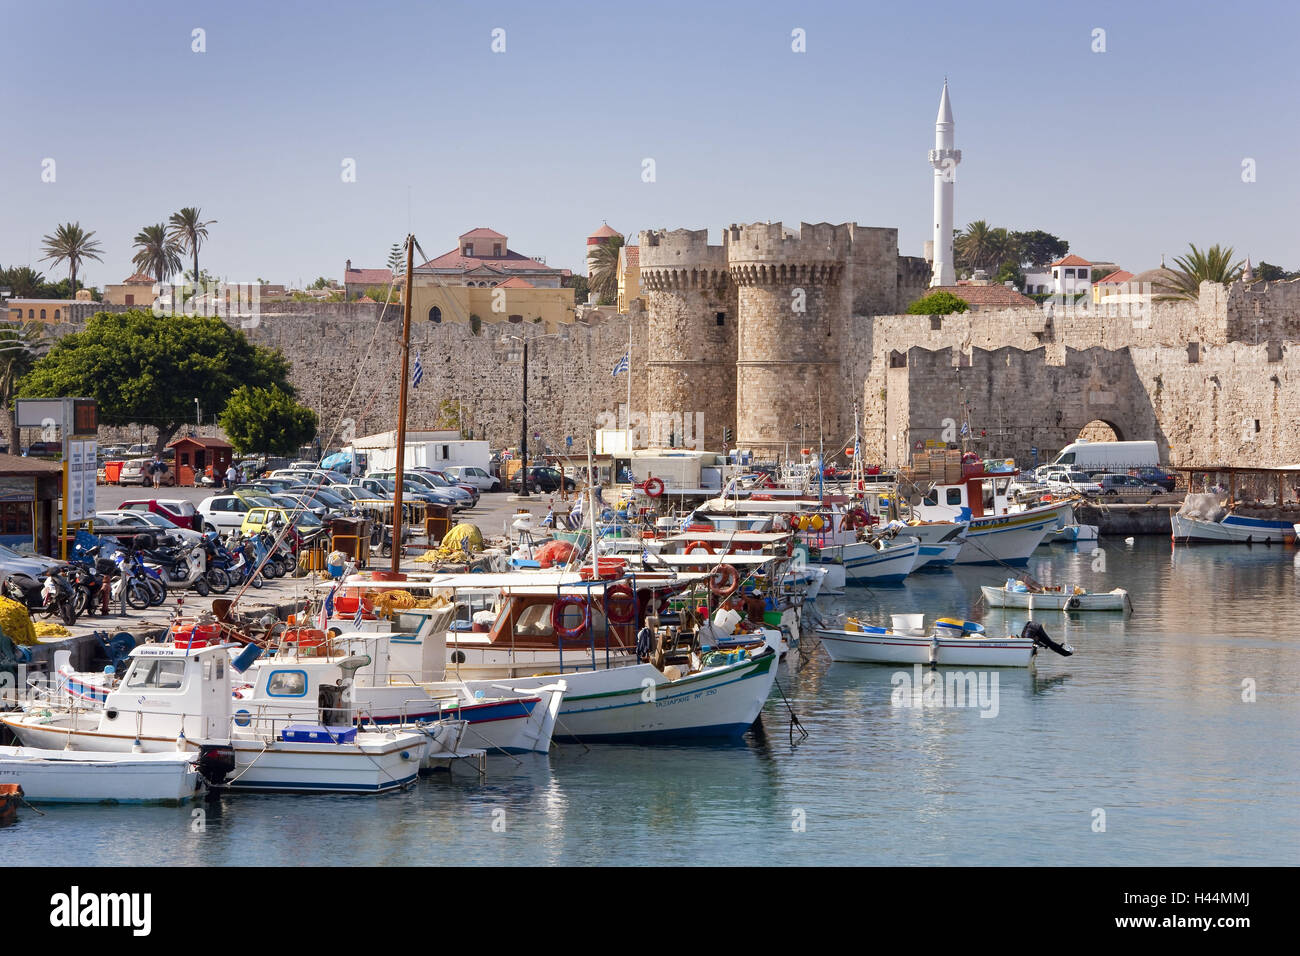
(523, 433)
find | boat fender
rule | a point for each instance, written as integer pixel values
(934, 650)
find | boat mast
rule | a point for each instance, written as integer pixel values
(401, 404)
(591, 507)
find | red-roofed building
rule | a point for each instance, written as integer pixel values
(992, 296)
(357, 281)
(136, 290)
(484, 259)
(1067, 276)
(514, 282)
(601, 235)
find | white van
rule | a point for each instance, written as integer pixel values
(1109, 456)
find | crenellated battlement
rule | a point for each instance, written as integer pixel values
(763, 243)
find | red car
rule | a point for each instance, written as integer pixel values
(179, 512)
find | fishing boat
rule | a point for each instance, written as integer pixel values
(1235, 505)
(1000, 531)
(951, 642)
(1018, 595)
(178, 699)
(668, 673)
(70, 776)
(1074, 534)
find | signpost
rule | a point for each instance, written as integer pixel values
(76, 420)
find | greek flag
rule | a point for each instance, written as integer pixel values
(418, 376)
(965, 426)
(360, 615)
(622, 365)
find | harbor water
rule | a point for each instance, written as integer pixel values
(1168, 738)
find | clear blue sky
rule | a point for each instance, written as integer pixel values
(1127, 154)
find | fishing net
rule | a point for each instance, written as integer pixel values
(16, 622)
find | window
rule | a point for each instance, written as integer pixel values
(16, 518)
(157, 674)
(932, 498)
(130, 300)
(469, 249)
(56, 315)
(936, 323)
(42, 313)
(287, 684)
(496, 248)
(1069, 273)
(720, 318)
(31, 313)
(435, 314)
(986, 497)
(1193, 353)
(953, 496)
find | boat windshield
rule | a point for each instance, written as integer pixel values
(157, 674)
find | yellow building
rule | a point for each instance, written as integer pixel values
(629, 277)
(511, 301)
(38, 310)
(136, 290)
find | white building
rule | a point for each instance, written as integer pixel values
(1068, 276)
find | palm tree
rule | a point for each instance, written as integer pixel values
(21, 345)
(976, 244)
(159, 254)
(23, 282)
(603, 263)
(1211, 265)
(73, 245)
(187, 229)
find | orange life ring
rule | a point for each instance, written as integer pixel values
(654, 487)
(557, 616)
(695, 545)
(620, 604)
(724, 581)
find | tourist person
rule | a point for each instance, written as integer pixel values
(232, 476)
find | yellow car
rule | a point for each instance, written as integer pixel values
(274, 519)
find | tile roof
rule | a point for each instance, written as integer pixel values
(632, 257)
(605, 232)
(198, 440)
(1072, 260)
(138, 279)
(367, 277)
(986, 296)
(515, 282)
(482, 232)
(511, 262)
(1115, 277)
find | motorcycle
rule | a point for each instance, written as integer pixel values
(91, 582)
(58, 597)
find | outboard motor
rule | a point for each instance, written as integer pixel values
(1034, 631)
(215, 763)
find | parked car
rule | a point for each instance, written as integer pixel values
(147, 521)
(45, 449)
(445, 480)
(477, 477)
(546, 478)
(1112, 484)
(1156, 476)
(448, 493)
(135, 472)
(21, 575)
(261, 518)
(1073, 482)
(225, 513)
(178, 511)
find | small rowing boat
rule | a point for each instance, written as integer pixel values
(1018, 595)
(951, 642)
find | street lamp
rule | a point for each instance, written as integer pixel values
(523, 428)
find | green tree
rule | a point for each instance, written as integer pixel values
(1210, 265)
(938, 303)
(603, 260)
(1266, 272)
(397, 258)
(144, 369)
(320, 283)
(21, 346)
(976, 245)
(1010, 272)
(449, 417)
(267, 421)
(157, 254)
(1037, 248)
(73, 245)
(579, 286)
(24, 282)
(188, 231)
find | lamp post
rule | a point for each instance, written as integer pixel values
(523, 428)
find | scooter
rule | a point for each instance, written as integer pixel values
(58, 597)
(186, 568)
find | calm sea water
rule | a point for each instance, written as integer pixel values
(1138, 750)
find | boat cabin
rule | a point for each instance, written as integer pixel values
(169, 690)
(978, 494)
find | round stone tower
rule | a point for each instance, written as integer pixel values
(791, 305)
(691, 365)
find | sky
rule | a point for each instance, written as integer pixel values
(1128, 153)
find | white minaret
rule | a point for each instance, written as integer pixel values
(944, 159)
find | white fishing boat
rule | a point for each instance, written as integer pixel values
(952, 642)
(1245, 506)
(679, 678)
(305, 658)
(1057, 599)
(69, 776)
(178, 699)
(1074, 534)
(1000, 531)
(876, 561)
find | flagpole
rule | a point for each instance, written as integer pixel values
(628, 422)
